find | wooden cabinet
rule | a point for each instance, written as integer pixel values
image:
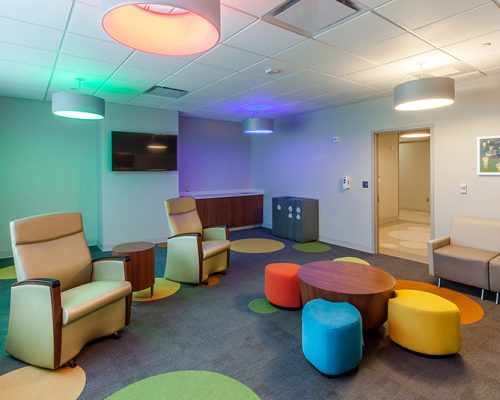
(232, 211)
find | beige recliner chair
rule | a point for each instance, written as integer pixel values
(193, 252)
(62, 299)
(468, 253)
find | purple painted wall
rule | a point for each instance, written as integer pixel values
(212, 155)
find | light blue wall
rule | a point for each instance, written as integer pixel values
(47, 164)
(213, 155)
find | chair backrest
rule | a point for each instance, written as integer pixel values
(182, 216)
(51, 246)
(479, 233)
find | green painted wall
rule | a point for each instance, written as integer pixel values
(47, 164)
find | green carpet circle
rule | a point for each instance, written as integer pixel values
(355, 260)
(8, 272)
(261, 306)
(312, 247)
(186, 385)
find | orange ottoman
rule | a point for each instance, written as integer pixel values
(282, 285)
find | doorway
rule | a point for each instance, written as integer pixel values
(403, 193)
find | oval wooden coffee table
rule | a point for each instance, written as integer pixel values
(365, 287)
(141, 268)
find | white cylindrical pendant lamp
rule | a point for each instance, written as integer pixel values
(165, 27)
(424, 94)
(258, 125)
(77, 105)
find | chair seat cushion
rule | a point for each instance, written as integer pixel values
(466, 253)
(213, 247)
(85, 299)
(466, 265)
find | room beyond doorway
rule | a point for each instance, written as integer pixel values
(403, 193)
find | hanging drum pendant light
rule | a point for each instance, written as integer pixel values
(424, 94)
(258, 125)
(166, 27)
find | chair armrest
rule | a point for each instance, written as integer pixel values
(185, 258)
(109, 269)
(216, 232)
(36, 303)
(433, 245)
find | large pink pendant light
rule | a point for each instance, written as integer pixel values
(166, 27)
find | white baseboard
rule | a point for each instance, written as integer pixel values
(355, 246)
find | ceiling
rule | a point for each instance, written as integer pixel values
(46, 44)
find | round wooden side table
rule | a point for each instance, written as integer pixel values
(141, 268)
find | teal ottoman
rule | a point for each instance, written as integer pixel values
(332, 336)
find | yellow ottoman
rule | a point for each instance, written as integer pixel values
(424, 322)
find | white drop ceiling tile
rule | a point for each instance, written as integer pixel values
(110, 96)
(53, 15)
(360, 91)
(147, 100)
(27, 34)
(229, 57)
(254, 7)
(427, 61)
(480, 46)
(263, 38)
(153, 62)
(260, 68)
(19, 74)
(85, 66)
(177, 82)
(95, 49)
(66, 80)
(95, 3)
(360, 32)
(373, 3)
(389, 84)
(27, 55)
(344, 65)
(204, 96)
(24, 92)
(138, 76)
(86, 21)
(233, 21)
(203, 73)
(335, 85)
(123, 89)
(274, 88)
(394, 49)
(413, 14)
(486, 63)
(306, 78)
(309, 53)
(461, 27)
(373, 75)
(239, 82)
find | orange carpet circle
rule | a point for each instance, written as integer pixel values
(212, 281)
(470, 311)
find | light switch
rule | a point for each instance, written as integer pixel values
(463, 188)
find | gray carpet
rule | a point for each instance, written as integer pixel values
(211, 328)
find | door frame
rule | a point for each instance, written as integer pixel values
(375, 186)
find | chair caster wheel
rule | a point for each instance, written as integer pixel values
(116, 335)
(72, 364)
(223, 273)
(205, 283)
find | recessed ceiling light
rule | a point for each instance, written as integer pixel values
(415, 135)
(166, 27)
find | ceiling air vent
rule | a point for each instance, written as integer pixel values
(311, 17)
(166, 92)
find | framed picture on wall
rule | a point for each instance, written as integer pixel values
(488, 155)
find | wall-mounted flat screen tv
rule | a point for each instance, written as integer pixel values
(143, 152)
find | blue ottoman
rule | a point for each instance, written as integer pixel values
(331, 336)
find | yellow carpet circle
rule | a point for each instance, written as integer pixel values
(353, 260)
(8, 272)
(163, 288)
(470, 311)
(40, 383)
(256, 246)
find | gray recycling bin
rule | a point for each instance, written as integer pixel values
(295, 218)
